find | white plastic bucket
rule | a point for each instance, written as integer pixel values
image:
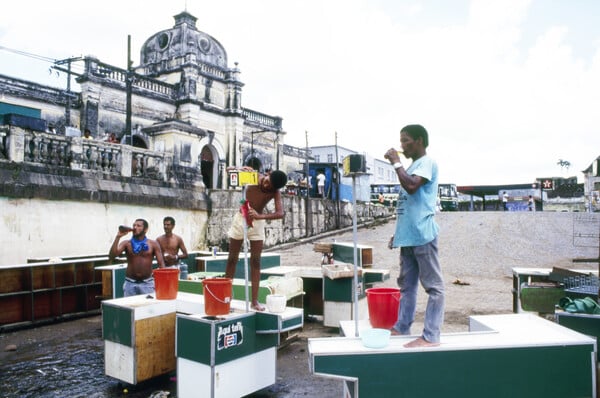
(276, 302)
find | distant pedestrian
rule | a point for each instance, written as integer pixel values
(530, 203)
(321, 183)
(505, 201)
(112, 138)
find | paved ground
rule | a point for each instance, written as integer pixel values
(477, 249)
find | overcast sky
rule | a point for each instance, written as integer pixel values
(505, 88)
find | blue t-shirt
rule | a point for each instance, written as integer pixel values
(415, 223)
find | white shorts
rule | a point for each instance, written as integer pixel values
(236, 231)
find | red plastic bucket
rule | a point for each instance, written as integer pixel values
(383, 305)
(217, 295)
(166, 282)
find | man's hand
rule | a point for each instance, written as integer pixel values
(392, 155)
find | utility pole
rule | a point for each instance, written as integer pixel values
(128, 84)
(308, 213)
(337, 180)
(68, 109)
(69, 95)
(277, 150)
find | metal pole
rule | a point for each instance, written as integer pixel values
(68, 110)
(338, 177)
(355, 238)
(245, 253)
(308, 219)
(128, 84)
(277, 150)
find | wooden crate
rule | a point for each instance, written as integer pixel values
(344, 252)
(139, 338)
(340, 270)
(155, 346)
(107, 286)
(323, 247)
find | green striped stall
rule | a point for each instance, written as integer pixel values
(513, 355)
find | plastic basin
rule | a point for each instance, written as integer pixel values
(375, 338)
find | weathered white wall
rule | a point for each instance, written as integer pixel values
(32, 228)
(42, 228)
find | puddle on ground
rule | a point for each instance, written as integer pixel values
(69, 367)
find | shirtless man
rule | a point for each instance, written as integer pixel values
(140, 251)
(257, 196)
(170, 244)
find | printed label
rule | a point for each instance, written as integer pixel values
(230, 336)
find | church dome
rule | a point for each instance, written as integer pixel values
(167, 50)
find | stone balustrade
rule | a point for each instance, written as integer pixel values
(262, 119)
(96, 69)
(77, 153)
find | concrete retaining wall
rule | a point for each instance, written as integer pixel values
(76, 212)
(322, 216)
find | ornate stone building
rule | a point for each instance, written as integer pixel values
(183, 100)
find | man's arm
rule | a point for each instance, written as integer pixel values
(117, 249)
(410, 183)
(270, 216)
(278, 206)
(184, 252)
(158, 254)
(161, 244)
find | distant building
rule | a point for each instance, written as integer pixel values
(591, 178)
(378, 171)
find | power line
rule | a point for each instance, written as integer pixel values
(73, 66)
(30, 55)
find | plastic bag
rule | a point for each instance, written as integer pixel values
(585, 305)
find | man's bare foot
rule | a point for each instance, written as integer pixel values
(420, 342)
(257, 306)
(394, 332)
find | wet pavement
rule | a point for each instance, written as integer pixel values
(55, 360)
(61, 360)
(67, 360)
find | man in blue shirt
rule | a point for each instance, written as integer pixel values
(416, 235)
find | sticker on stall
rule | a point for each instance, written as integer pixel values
(233, 179)
(230, 336)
